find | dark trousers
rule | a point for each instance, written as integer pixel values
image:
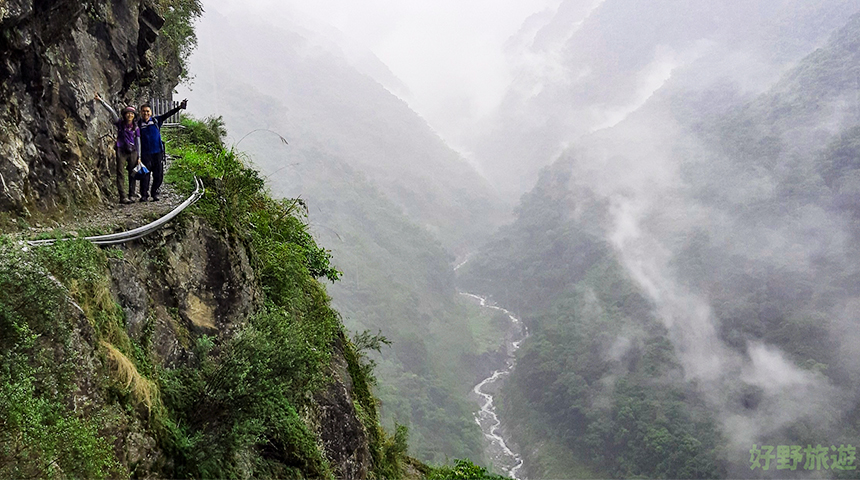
(125, 162)
(155, 163)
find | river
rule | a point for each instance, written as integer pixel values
(503, 457)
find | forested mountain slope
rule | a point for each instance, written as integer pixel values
(689, 277)
(597, 390)
(208, 349)
(385, 194)
(398, 280)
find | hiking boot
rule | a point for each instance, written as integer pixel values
(155, 198)
(143, 199)
(126, 201)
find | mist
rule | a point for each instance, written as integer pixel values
(706, 149)
(446, 59)
(646, 168)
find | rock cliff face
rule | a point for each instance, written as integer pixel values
(184, 284)
(54, 56)
(188, 281)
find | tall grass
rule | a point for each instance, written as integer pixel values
(43, 353)
(143, 389)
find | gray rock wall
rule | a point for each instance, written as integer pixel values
(55, 145)
(180, 283)
(188, 280)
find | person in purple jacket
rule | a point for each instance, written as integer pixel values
(152, 148)
(127, 150)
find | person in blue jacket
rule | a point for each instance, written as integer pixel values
(152, 148)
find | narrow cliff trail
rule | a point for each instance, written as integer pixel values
(142, 231)
(125, 221)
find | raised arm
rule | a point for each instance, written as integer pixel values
(110, 109)
(164, 116)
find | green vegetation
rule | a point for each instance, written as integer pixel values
(390, 200)
(177, 37)
(44, 364)
(241, 405)
(784, 138)
(553, 458)
(775, 258)
(254, 387)
(463, 470)
(397, 279)
(240, 205)
(586, 379)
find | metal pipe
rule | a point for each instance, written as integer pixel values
(122, 237)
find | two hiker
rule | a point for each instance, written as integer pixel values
(139, 143)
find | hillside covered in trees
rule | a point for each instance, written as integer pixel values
(208, 349)
(391, 200)
(681, 316)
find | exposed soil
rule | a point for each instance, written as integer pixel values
(111, 217)
(119, 217)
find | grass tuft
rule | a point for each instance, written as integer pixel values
(145, 391)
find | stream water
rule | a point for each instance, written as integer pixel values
(502, 456)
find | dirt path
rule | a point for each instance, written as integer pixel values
(110, 218)
(118, 217)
